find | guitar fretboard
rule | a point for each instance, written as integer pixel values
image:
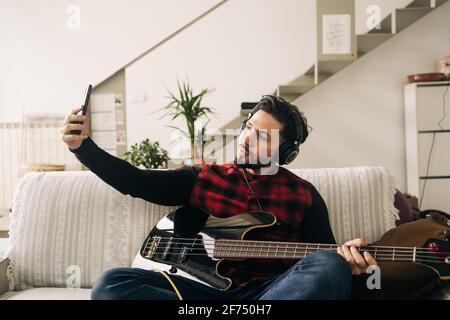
(224, 248)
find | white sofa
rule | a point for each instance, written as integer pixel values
(68, 227)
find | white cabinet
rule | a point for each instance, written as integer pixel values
(424, 109)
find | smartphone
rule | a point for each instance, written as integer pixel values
(87, 96)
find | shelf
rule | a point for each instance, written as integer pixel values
(443, 83)
(434, 177)
(434, 131)
(423, 110)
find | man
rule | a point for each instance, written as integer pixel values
(230, 189)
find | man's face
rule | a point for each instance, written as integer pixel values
(260, 138)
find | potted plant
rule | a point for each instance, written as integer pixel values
(189, 106)
(148, 154)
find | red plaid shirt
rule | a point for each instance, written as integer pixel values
(222, 191)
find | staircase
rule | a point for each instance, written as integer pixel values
(318, 73)
(393, 23)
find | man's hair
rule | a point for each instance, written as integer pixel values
(295, 125)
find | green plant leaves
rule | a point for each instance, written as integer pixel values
(188, 106)
(148, 154)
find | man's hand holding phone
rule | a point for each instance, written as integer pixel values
(76, 127)
(72, 140)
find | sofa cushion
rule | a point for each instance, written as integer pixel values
(59, 241)
(360, 200)
(56, 238)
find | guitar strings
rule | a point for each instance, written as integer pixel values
(386, 257)
(273, 245)
(190, 240)
(379, 253)
(381, 257)
(253, 248)
(295, 249)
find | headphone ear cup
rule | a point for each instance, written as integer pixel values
(288, 152)
(291, 155)
(282, 153)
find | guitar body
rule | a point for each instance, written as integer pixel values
(192, 227)
(191, 243)
(422, 233)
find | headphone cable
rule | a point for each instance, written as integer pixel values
(432, 143)
(251, 189)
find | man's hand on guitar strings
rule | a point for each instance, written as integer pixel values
(359, 262)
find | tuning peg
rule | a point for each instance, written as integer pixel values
(447, 234)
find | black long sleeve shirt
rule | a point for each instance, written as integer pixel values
(174, 187)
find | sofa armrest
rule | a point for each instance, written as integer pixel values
(4, 283)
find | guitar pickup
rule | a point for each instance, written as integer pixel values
(182, 256)
(193, 247)
(167, 248)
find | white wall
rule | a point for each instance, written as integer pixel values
(358, 115)
(243, 50)
(44, 66)
(385, 6)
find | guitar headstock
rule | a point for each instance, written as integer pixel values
(436, 254)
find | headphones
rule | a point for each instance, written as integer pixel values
(289, 149)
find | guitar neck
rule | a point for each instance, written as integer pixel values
(225, 248)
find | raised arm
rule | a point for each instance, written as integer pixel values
(165, 187)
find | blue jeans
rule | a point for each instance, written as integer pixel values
(322, 275)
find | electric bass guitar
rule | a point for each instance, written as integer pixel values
(192, 243)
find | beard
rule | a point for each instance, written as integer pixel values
(241, 162)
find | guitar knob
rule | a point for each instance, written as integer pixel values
(173, 269)
(447, 234)
(433, 247)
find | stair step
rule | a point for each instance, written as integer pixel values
(310, 70)
(291, 92)
(307, 80)
(369, 41)
(366, 42)
(385, 25)
(424, 3)
(332, 66)
(293, 89)
(407, 16)
(290, 97)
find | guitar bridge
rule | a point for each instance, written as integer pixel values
(153, 247)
